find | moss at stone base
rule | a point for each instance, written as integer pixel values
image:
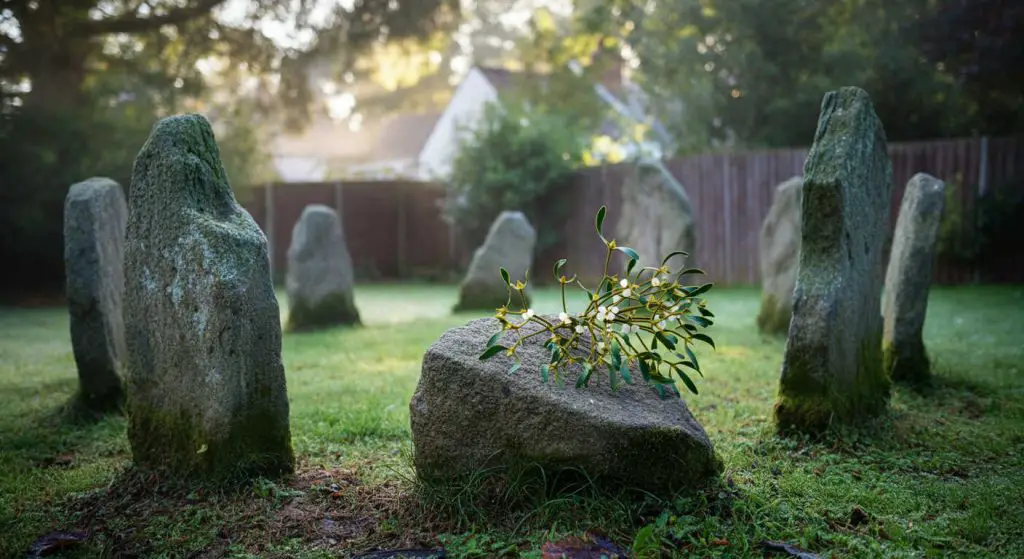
(175, 445)
(337, 309)
(910, 366)
(773, 319)
(807, 406)
(650, 463)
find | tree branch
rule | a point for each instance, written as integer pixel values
(132, 23)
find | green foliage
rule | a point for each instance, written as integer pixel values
(737, 73)
(654, 309)
(940, 477)
(981, 235)
(512, 159)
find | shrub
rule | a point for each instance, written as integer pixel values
(513, 159)
(656, 308)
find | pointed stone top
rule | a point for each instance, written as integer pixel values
(181, 162)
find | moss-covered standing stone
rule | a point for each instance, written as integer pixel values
(95, 215)
(909, 278)
(206, 384)
(320, 276)
(509, 244)
(657, 217)
(469, 415)
(832, 369)
(780, 257)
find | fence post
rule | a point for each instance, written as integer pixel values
(402, 229)
(268, 202)
(727, 208)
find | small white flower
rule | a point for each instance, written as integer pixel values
(614, 309)
(564, 318)
(674, 309)
(624, 282)
(661, 325)
(579, 328)
(626, 329)
(616, 298)
(655, 281)
(600, 346)
(655, 318)
(627, 292)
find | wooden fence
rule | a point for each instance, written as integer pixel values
(394, 230)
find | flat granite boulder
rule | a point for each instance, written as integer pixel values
(780, 257)
(320, 277)
(509, 244)
(468, 414)
(657, 216)
(95, 215)
(909, 278)
(206, 384)
(832, 369)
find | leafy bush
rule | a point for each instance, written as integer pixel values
(984, 237)
(657, 308)
(511, 160)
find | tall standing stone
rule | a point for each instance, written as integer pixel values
(206, 385)
(95, 215)
(780, 257)
(509, 244)
(832, 369)
(909, 277)
(320, 275)
(657, 216)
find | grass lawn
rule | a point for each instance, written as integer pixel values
(941, 475)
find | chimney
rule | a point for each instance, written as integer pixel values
(609, 63)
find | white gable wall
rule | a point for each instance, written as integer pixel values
(465, 107)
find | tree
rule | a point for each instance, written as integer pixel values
(55, 44)
(752, 72)
(82, 82)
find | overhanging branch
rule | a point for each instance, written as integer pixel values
(135, 24)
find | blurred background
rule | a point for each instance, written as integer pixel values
(420, 120)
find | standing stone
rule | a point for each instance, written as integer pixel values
(908, 278)
(95, 215)
(206, 385)
(320, 273)
(657, 216)
(509, 244)
(832, 369)
(780, 257)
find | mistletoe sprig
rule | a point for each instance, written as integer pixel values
(645, 318)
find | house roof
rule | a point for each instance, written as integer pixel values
(507, 80)
(625, 99)
(403, 136)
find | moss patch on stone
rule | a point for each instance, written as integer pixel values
(807, 405)
(337, 309)
(773, 319)
(176, 445)
(910, 366)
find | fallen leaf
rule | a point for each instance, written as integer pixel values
(858, 517)
(788, 549)
(720, 541)
(405, 554)
(592, 546)
(54, 542)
